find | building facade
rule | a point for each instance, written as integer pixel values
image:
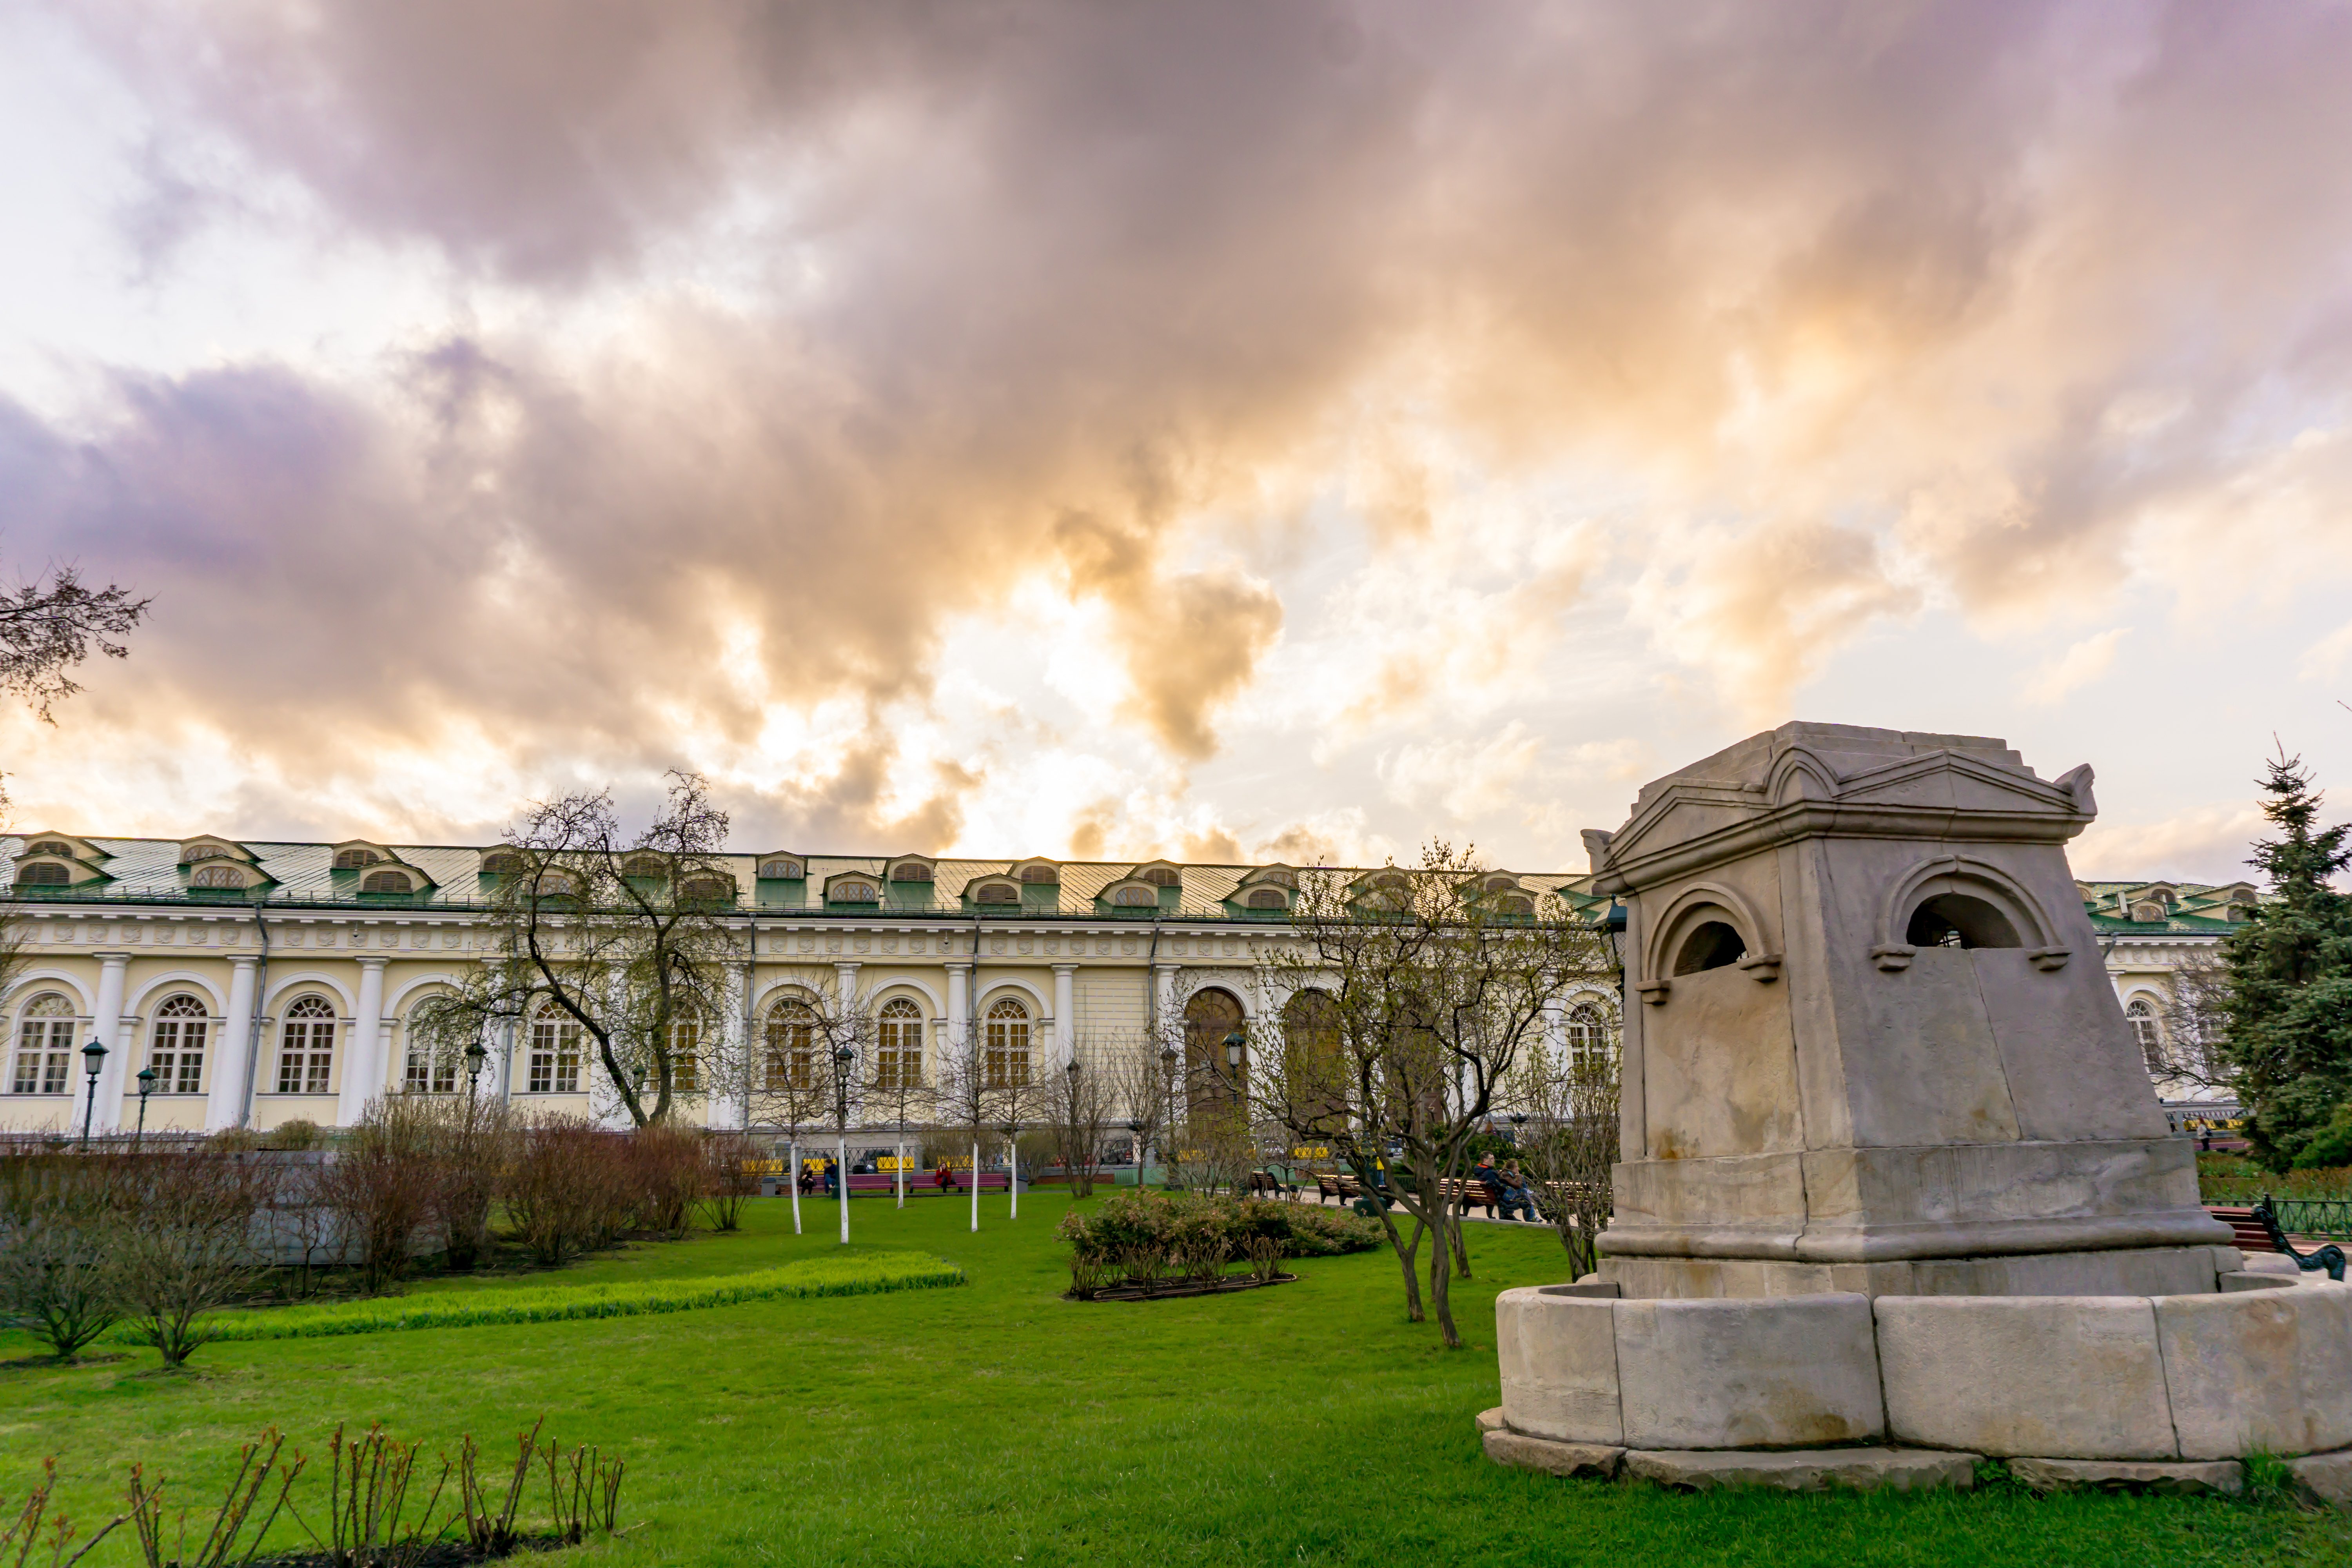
(268, 982)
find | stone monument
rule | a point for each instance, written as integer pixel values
(1892, 1170)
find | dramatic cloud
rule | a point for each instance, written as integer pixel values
(1314, 378)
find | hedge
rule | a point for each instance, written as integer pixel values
(854, 1276)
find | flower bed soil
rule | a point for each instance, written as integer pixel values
(1174, 1288)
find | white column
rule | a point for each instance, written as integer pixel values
(106, 1029)
(1065, 1010)
(959, 1004)
(364, 1057)
(721, 1106)
(505, 1065)
(1163, 983)
(224, 1100)
(846, 974)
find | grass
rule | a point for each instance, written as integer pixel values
(1000, 1424)
(862, 1274)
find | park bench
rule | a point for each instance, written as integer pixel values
(1267, 1181)
(2247, 1231)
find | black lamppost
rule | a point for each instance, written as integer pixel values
(1072, 1070)
(1135, 1143)
(146, 1087)
(93, 1058)
(475, 1057)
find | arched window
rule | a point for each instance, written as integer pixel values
(355, 859)
(1266, 898)
(780, 870)
(1211, 1019)
(554, 885)
(910, 871)
(1135, 898)
(501, 863)
(1159, 876)
(555, 1040)
(306, 1048)
(386, 883)
(898, 1051)
(1517, 904)
(1956, 919)
(792, 1046)
(45, 1044)
(854, 893)
(686, 1031)
(40, 875)
(2146, 1032)
(653, 868)
(997, 893)
(708, 889)
(1713, 945)
(51, 847)
(217, 876)
(1588, 1032)
(1008, 1043)
(177, 1050)
(1040, 874)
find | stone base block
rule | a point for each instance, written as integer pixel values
(1803, 1471)
(2325, 1477)
(2255, 1280)
(2207, 1477)
(1491, 1420)
(1594, 1461)
(2130, 1271)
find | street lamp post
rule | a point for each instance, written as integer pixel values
(146, 1087)
(841, 1061)
(475, 1057)
(1135, 1145)
(1168, 1115)
(93, 1058)
(1076, 1121)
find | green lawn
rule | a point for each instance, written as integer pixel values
(995, 1422)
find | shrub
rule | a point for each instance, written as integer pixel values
(298, 1135)
(557, 1186)
(1145, 1234)
(60, 1219)
(187, 1247)
(731, 1177)
(381, 1186)
(665, 1165)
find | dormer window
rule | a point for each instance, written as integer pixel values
(41, 874)
(2149, 909)
(1266, 898)
(911, 872)
(653, 868)
(852, 892)
(554, 885)
(1278, 876)
(1501, 882)
(1135, 898)
(217, 876)
(996, 893)
(1039, 873)
(387, 882)
(708, 889)
(1159, 876)
(501, 863)
(51, 847)
(1515, 904)
(782, 870)
(355, 859)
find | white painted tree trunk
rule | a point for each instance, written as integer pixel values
(1013, 1174)
(841, 1181)
(975, 1185)
(793, 1170)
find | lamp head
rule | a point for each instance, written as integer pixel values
(93, 1056)
(146, 1080)
(844, 1056)
(1233, 1044)
(1072, 1070)
(475, 1055)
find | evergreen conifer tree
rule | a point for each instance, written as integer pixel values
(2290, 978)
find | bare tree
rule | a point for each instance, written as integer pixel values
(49, 626)
(1078, 1102)
(1140, 1073)
(1568, 1092)
(795, 1081)
(621, 940)
(188, 1247)
(970, 1097)
(60, 1219)
(2187, 1052)
(731, 1178)
(380, 1185)
(1431, 980)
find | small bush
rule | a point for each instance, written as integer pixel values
(298, 1135)
(1146, 1235)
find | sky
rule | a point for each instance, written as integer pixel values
(1222, 431)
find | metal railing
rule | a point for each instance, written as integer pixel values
(2330, 1217)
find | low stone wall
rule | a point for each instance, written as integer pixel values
(2205, 1376)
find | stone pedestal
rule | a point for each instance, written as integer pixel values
(1893, 1172)
(1871, 1035)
